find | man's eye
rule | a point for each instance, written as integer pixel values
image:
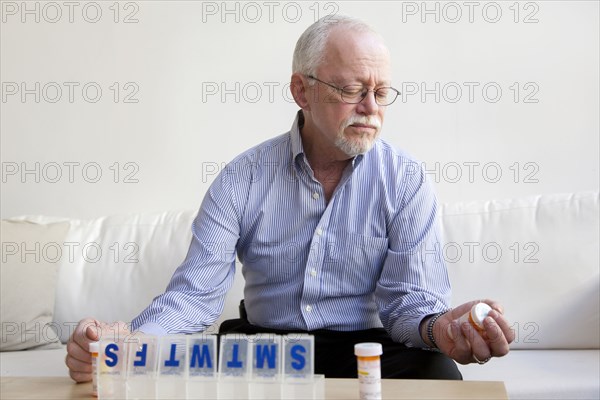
(383, 93)
(352, 91)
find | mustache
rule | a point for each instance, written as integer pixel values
(370, 120)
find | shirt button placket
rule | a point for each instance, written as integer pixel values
(310, 295)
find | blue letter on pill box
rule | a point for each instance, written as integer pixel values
(111, 356)
(172, 356)
(266, 356)
(298, 356)
(111, 369)
(142, 351)
(202, 353)
(233, 358)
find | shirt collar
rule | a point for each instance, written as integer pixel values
(295, 135)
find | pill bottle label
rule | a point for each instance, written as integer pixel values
(93, 349)
(94, 372)
(369, 378)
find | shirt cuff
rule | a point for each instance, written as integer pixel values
(415, 337)
(407, 331)
(152, 328)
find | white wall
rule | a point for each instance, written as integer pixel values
(542, 138)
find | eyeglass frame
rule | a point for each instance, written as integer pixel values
(363, 94)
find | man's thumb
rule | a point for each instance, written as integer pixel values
(92, 333)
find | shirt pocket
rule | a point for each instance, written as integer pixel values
(353, 264)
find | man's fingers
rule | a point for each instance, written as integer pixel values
(86, 332)
(495, 305)
(92, 333)
(465, 344)
(79, 359)
(497, 341)
(458, 312)
(479, 347)
(74, 350)
(460, 348)
(504, 325)
(80, 376)
(77, 365)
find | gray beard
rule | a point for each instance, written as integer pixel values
(353, 148)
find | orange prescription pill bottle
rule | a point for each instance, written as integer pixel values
(369, 370)
(94, 348)
(476, 316)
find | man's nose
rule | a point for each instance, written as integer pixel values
(368, 105)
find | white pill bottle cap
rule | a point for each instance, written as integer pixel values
(94, 347)
(368, 349)
(477, 314)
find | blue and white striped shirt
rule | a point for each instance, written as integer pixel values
(368, 258)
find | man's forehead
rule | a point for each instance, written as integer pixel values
(349, 54)
(344, 45)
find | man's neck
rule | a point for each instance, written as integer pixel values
(327, 161)
(320, 152)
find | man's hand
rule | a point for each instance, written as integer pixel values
(464, 343)
(79, 359)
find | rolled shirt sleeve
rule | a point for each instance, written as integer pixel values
(414, 281)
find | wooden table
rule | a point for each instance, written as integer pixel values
(64, 388)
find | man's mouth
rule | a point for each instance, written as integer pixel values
(363, 126)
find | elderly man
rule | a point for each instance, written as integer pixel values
(335, 230)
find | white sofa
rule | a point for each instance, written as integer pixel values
(538, 255)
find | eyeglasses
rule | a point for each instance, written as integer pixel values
(354, 94)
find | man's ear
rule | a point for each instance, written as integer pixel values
(298, 87)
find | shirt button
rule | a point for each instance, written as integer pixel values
(316, 196)
(308, 308)
(319, 231)
(313, 272)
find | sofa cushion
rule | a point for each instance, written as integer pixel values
(47, 362)
(119, 264)
(538, 256)
(31, 254)
(542, 374)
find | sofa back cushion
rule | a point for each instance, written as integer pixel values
(118, 264)
(31, 255)
(536, 255)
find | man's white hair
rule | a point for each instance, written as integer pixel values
(310, 47)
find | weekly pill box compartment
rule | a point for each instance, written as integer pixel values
(261, 366)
